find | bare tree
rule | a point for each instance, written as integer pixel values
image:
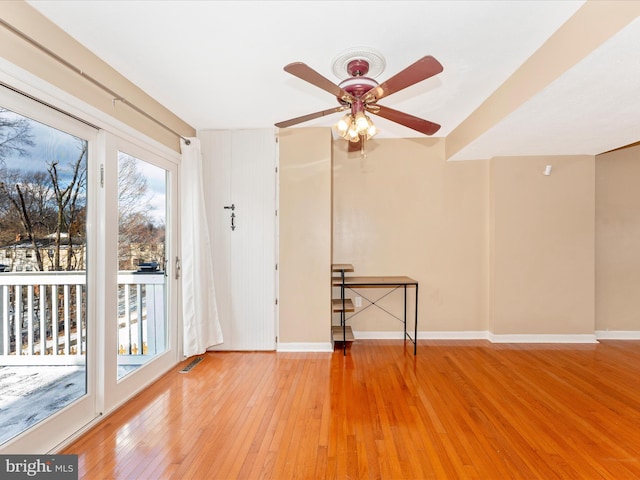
(26, 208)
(10, 221)
(15, 134)
(35, 204)
(67, 201)
(15, 138)
(133, 188)
(19, 203)
(138, 232)
(51, 204)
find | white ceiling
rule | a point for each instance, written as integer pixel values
(218, 64)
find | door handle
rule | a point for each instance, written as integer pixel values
(232, 207)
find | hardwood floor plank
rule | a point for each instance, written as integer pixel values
(463, 409)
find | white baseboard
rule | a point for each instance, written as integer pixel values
(618, 334)
(386, 335)
(399, 335)
(305, 347)
(486, 335)
(470, 335)
(462, 335)
(543, 338)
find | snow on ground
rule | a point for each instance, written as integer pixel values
(30, 394)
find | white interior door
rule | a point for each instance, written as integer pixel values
(240, 174)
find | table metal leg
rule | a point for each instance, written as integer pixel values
(415, 335)
(405, 313)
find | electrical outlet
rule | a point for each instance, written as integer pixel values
(358, 301)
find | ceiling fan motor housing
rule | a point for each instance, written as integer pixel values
(358, 84)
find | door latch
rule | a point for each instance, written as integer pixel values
(232, 207)
(178, 267)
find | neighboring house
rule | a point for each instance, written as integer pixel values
(134, 254)
(20, 255)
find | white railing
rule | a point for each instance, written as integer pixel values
(140, 338)
(43, 317)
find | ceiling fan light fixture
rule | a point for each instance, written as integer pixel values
(364, 126)
(353, 128)
(362, 123)
(342, 127)
(352, 134)
(371, 131)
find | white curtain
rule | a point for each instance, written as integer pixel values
(199, 310)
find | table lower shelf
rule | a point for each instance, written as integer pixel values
(337, 334)
(340, 305)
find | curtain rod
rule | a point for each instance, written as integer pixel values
(70, 66)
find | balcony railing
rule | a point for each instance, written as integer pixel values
(43, 318)
(141, 317)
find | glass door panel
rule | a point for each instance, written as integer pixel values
(142, 262)
(43, 272)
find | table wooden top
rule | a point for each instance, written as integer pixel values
(339, 267)
(376, 280)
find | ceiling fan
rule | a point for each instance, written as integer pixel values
(359, 94)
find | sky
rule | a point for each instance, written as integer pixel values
(51, 143)
(156, 181)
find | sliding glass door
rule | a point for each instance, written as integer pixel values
(142, 262)
(47, 322)
(140, 189)
(88, 244)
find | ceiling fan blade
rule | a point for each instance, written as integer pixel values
(311, 116)
(415, 123)
(424, 68)
(308, 74)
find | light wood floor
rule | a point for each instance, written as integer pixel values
(458, 410)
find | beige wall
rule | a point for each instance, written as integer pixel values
(403, 210)
(618, 240)
(543, 253)
(496, 246)
(305, 236)
(19, 52)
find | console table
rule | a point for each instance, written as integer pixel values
(394, 282)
